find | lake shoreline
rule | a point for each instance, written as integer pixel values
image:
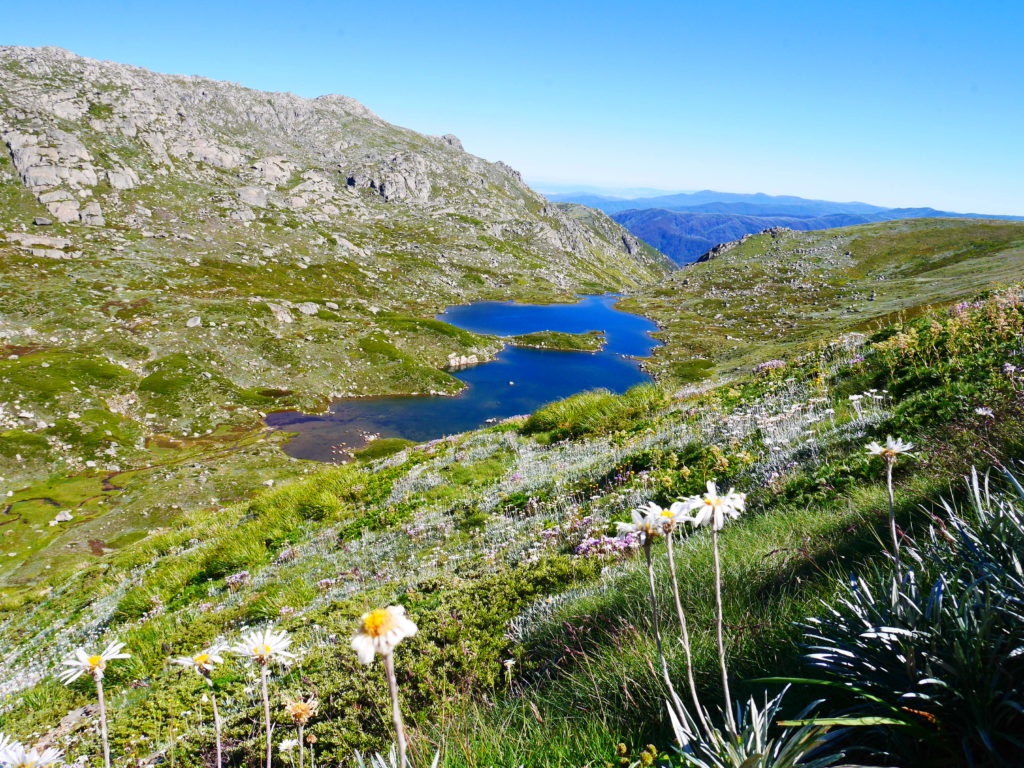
(517, 380)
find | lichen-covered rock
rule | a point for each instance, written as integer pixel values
(122, 178)
(256, 196)
(274, 170)
(280, 312)
(92, 215)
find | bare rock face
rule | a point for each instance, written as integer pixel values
(273, 170)
(92, 215)
(452, 141)
(399, 178)
(207, 151)
(122, 178)
(256, 196)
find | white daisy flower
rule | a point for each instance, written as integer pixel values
(651, 519)
(6, 744)
(646, 520)
(380, 631)
(18, 756)
(893, 447)
(81, 662)
(714, 507)
(288, 745)
(265, 646)
(204, 661)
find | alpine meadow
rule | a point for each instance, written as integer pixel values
(325, 442)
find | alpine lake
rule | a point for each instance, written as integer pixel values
(518, 381)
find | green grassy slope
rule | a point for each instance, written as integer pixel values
(493, 541)
(775, 294)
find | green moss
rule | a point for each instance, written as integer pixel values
(382, 448)
(595, 412)
(591, 341)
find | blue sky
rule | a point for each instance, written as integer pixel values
(898, 103)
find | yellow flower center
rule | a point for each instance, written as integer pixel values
(201, 659)
(378, 622)
(261, 650)
(95, 662)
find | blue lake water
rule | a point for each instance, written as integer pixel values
(519, 381)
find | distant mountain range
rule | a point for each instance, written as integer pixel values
(686, 225)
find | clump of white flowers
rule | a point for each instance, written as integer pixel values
(711, 509)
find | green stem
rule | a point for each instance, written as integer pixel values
(720, 622)
(266, 711)
(216, 727)
(103, 722)
(657, 626)
(685, 633)
(396, 709)
(892, 516)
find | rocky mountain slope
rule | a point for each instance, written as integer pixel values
(179, 256)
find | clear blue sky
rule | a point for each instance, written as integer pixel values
(897, 103)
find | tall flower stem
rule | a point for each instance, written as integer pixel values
(720, 622)
(685, 632)
(396, 709)
(302, 746)
(216, 727)
(657, 626)
(103, 722)
(892, 515)
(266, 711)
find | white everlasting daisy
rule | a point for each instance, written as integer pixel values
(380, 631)
(893, 447)
(265, 646)
(714, 507)
(647, 520)
(204, 661)
(18, 756)
(669, 516)
(6, 745)
(82, 662)
(288, 745)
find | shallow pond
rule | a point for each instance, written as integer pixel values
(518, 381)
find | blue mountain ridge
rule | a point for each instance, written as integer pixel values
(684, 226)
